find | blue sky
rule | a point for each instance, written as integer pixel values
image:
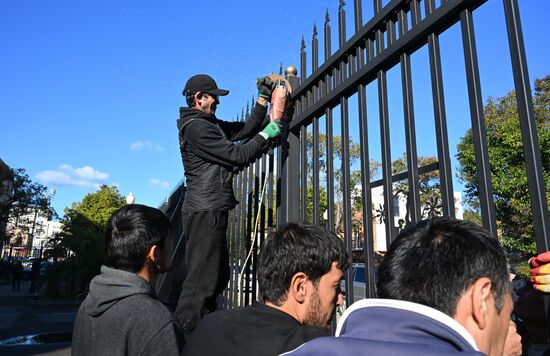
(90, 91)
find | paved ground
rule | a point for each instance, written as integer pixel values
(20, 317)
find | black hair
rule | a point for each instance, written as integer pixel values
(131, 230)
(297, 248)
(436, 261)
(190, 99)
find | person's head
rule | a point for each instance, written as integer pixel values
(202, 93)
(456, 267)
(300, 270)
(138, 237)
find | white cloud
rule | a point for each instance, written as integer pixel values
(154, 182)
(66, 175)
(146, 146)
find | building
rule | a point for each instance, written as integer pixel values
(6, 191)
(29, 234)
(399, 217)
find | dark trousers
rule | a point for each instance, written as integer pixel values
(207, 265)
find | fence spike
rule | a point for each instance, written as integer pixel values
(281, 69)
(327, 18)
(303, 46)
(314, 30)
(341, 6)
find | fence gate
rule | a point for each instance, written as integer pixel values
(308, 177)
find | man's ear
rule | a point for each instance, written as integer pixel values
(298, 287)
(198, 96)
(481, 295)
(152, 254)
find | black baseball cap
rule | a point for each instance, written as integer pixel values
(203, 83)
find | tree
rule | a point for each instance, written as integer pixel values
(355, 177)
(27, 198)
(82, 239)
(507, 162)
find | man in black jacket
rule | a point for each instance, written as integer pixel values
(121, 315)
(210, 157)
(299, 273)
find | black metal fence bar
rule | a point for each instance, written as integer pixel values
(345, 182)
(539, 206)
(385, 145)
(483, 170)
(413, 199)
(303, 177)
(255, 237)
(315, 135)
(444, 158)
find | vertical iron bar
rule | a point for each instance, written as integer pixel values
(288, 185)
(270, 217)
(429, 6)
(366, 196)
(316, 190)
(244, 198)
(346, 190)
(527, 120)
(385, 145)
(303, 61)
(377, 6)
(304, 171)
(315, 64)
(444, 157)
(255, 238)
(327, 39)
(413, 199)
(329, 133)
(249, 222)
(479, 136)
(330, 171)
(415, 12)
(358, 14)
(315, 134)
(262, 205)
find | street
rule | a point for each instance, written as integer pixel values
(21, 318)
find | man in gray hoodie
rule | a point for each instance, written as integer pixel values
(121, 315)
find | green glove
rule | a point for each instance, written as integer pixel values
(265, 87)
(272, 130)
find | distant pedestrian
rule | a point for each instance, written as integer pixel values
(16, 275)
(35, 272)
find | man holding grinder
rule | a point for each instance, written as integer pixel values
(210, 158)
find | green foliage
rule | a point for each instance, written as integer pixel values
(338, 178)
(507, 162)
(322, 204)
(82, 238)
(26, 197)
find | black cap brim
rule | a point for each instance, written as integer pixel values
(220, 92)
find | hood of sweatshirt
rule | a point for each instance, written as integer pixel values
(111, 286)
(191, 113)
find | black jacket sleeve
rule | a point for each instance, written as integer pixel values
(208, 142)
(236, 131)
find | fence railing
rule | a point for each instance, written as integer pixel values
(308, 177)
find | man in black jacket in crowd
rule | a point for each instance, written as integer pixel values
(210, 158)
(121, 315)
(299, 273)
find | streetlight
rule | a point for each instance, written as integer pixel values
(130, 198)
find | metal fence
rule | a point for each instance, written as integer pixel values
(299, 182)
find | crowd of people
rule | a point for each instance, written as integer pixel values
(444, 286)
